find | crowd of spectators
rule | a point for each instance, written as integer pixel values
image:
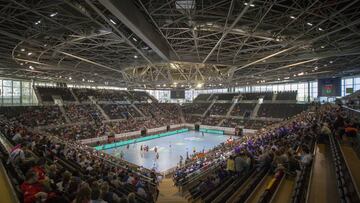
(195, 108)
(273, 147)
(46, 94)
(83, 113)
(213, 121)
(219, 109)
(287, 95)
(120, 111)
(52, 170)
(276, 110)
(33, 116)
(241, 108)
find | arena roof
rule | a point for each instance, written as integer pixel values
(179, 42)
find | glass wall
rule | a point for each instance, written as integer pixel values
(16, 92)
(349, 85)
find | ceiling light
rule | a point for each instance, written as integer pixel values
(300, 74)
(135, 56)
(316, 68)
(292, 17)
(31, 67)
(83, 80)
(22, 49)
(112, 21)
(320, 29)
(310, 24)
(21, 64)
(286, 78)
(53, 14)
(330, 61)
(164, 85)
(325, 65)
(245, 4)
(70, 78)
(134, 39)
(252, 5)
(29, 53)
(199, 85)
(278, 79)
(322, 47)
(37, 22)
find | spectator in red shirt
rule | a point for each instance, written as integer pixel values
(33, 190)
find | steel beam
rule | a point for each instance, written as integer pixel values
(138, 24)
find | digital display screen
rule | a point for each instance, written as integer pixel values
(329, 87)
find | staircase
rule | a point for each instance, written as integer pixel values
(73, 94)
(255, 111)
(231, 108)
(212, 103)
(99, 108)
(169, 193)
(138, 110)
(61, 107)
(221, 122)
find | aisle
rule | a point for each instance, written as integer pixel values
(353, 163)
(259, 190)
(6, 195)
(285, 191)
(169, 193)
(323, 183)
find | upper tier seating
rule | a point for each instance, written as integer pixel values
(198, 108)
(240, 108)
(46, 93)
(119, 111)
(224, 96)
(141, 96)
(202, 97)
(280, 110)
(251, 96)
(288, 95)
(219, 109)
(101, 95)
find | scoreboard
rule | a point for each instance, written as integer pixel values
(329, 87)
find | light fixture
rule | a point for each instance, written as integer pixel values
(70, 78)
(330, 61)
(245, 4)
(22, 49)
(31, 67)
(320, 29)
(112, 21)
(322, 47)
(292, 17)
(199, 85)
(29, 54)
(37, 22)
(134, 39)
(83, 80)
(135, 56)
(53, 14)
(164, 85)
(21, 64)
(310, 24)
(325, 65)
(300, 74)
(252, 5)
(286, 78)
(278, 79)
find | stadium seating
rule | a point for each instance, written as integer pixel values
(288, 95)
(240, 108)
(46, 94)
(275, 110)
(202, 97)
(219, 109)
